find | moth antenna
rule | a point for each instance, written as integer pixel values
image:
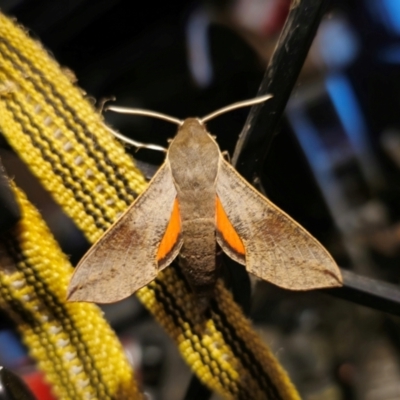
(234, 106)
(145, 113)
(138, 145)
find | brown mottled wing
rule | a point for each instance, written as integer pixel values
(124, 259)
(277, 249)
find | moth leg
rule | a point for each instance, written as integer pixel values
(226, 156)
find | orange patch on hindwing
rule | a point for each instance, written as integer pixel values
(226, 229)
(171, 234)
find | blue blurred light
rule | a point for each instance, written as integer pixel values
(198, 46)
(388, 11)
(318, 157)
(390, 54)
(337, 42)
(346, 105)
(12, 353)
(393, 13)
(351, 117)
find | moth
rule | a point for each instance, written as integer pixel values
(194, 201)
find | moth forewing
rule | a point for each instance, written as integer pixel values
(124, 259)
(277, 249)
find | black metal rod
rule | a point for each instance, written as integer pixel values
(279, 79)
(368, 292)
(12, 387)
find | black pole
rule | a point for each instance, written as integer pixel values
(279, 79)
(368, 292)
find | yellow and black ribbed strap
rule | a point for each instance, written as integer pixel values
(61, 138)
(72, 343)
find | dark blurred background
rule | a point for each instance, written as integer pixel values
(334, 166)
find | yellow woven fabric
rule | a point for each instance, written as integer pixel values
(73, 344)
(59, 135)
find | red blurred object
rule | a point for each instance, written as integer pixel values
(39, 387)
(277, 18)
(265, 18)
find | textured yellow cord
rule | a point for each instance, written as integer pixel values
(73, 344)
(60, 137)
